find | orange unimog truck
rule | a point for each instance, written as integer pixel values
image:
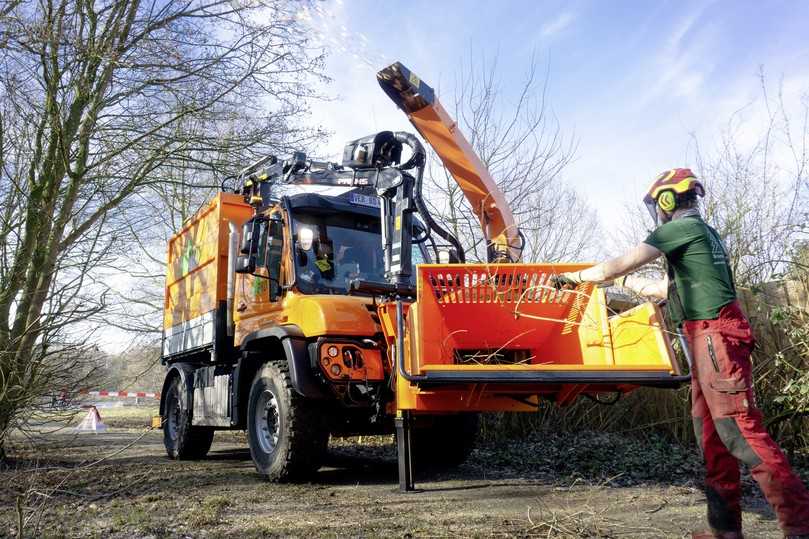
(297, 317)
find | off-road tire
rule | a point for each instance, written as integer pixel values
(288, 434)
(444, 442)
(183, 441)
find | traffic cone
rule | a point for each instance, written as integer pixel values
(92, 422)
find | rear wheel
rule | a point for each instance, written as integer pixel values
(444, 441)
(288, 434)
(182, 440)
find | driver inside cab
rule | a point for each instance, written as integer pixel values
(347, 264)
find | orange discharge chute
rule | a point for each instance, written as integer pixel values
(432, 121)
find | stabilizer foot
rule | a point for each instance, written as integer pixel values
(403, 452)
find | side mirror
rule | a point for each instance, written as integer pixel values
(249, 247)
(249, 237)
(246, 264)
(275, 244)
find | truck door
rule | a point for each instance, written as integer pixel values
(258, 296)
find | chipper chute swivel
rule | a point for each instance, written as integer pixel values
(296, 315)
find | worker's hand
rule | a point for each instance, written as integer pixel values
(566, 281)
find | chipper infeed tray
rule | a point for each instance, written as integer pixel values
(498, 337)
(480, 335)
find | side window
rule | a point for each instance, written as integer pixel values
(261, 251)
(418, 255)
(275, 251)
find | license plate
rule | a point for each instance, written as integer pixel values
(364, 200)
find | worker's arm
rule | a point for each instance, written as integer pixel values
(653, 288)
(636, 257)
(620, 266)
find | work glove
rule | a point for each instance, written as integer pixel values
(566, 281)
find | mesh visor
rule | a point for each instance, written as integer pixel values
(651, 205)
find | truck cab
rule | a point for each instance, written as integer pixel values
(311, 250)
(274, 330)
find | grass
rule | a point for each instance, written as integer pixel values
(576, 484)
(208, 512)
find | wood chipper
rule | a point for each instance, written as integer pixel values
(300, 316)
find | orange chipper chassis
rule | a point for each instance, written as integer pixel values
(498, 336)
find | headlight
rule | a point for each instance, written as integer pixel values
(332, 351)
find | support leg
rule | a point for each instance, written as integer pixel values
(404, 456)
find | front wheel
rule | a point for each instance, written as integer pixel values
(182, 440)
(287, 433)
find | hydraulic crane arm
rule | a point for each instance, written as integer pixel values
(432, 121)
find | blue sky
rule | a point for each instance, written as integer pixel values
(629, 80)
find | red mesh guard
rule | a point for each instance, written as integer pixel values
(499, 307)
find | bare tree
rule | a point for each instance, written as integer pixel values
(99, 103)
(523, 147)
(757, 191)
(757, 187)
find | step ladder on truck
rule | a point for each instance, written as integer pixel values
(300, 316)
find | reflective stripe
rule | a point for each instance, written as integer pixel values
(130, 394)
(190, 334)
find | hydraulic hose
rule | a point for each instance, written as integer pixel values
(418, 159)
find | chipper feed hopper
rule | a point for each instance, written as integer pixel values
(500, 337)
(304, 316)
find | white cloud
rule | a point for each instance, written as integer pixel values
(689, 84)
(680, 67)
(557, 25)
(358, 106)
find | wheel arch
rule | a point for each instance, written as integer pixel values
(186, 373)
(281, 343)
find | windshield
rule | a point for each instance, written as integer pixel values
(332, 250)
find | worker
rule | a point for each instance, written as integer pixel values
(347, 263)
(701, 302)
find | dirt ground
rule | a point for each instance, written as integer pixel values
(120, 484)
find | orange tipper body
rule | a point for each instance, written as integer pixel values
(196, 274)
(479, 335)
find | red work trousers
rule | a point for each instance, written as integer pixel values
(729, 427)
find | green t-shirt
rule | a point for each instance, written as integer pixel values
(698, 265)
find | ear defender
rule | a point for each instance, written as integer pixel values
(667, 201)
